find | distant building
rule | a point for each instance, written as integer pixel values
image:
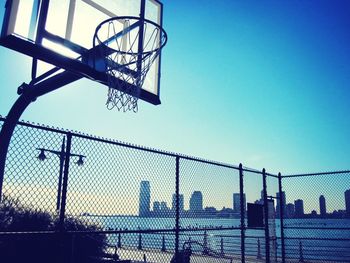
(259, 202)
(290, 210)
(313, 214)
(237, 203)
(323, 210)
(299, 208)
(347, 202)
(164, 207)
(210, 211)
(144, 199)
(156, 207)
(283, 198)
(339, 214)
(181, 203)
(196, 202)
(225, 212)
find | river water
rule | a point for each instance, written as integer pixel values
(318, 239)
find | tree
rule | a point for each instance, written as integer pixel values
(30, 235)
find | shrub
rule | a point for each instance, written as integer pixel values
(45, 247)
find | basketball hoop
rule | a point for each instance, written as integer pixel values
(128, 47)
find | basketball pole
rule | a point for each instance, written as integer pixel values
(30, 93)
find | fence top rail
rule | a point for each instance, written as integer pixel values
(131, 146)
(316, 174)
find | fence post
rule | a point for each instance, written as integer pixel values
(139, 246)
(65, 182)
(59, 186)
(301, 255)
(119, 244)
(222, 247)
(266, 217)
(177, 210)
(163, 244)
(205, 243)
(282, 206)
(258, 256)
(64, 197)
(242, 204)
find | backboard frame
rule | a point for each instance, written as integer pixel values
(78, 65)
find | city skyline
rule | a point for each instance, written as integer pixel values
(291, 210)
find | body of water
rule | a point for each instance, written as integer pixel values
(313, 239)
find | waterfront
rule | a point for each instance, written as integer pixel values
(319, 239)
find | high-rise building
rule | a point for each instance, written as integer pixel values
(279, 199)
(347, 202)
(196, 202)
(144, 199)
(262, 195)
(156, 207)
(323, 210)
(181, 202)
(237, 203)
(164, 207)
(299, 208)
(290, 210)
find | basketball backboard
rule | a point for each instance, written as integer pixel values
(61, 33)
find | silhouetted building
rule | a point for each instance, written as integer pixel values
(181, 202)
(279, 199)
(347, 202)
(299, 208)
(225, 212)
(145, 199)
(339, 213)
(156, 207)
(259, 202)
(313, 214)
(290, 210)
(164, 207)
(323, 210)
(196, 202)
(237, 203)
(210, 211)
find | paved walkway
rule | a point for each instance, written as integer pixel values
(152, 256)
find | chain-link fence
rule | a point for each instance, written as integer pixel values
(316, 217)
(70, 197)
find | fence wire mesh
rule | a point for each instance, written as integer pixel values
(88, 199)
(317, 222)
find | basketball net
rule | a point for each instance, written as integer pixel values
(126, 64)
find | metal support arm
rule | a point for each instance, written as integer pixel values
(29, 94)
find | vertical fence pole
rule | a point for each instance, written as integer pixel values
(301, 254)
(139, 246)
(282, 206)
(119, 244)
(242, 204)
(266, 216)
(65, 182)
(177, 210)
(258, 256)
(60, 175)
(163, 244)
(222, 252)
(64, 198)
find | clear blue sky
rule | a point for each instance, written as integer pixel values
(265, 83)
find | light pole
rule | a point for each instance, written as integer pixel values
(62, 155)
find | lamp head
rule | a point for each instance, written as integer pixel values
(42, 155)
(80, 162)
